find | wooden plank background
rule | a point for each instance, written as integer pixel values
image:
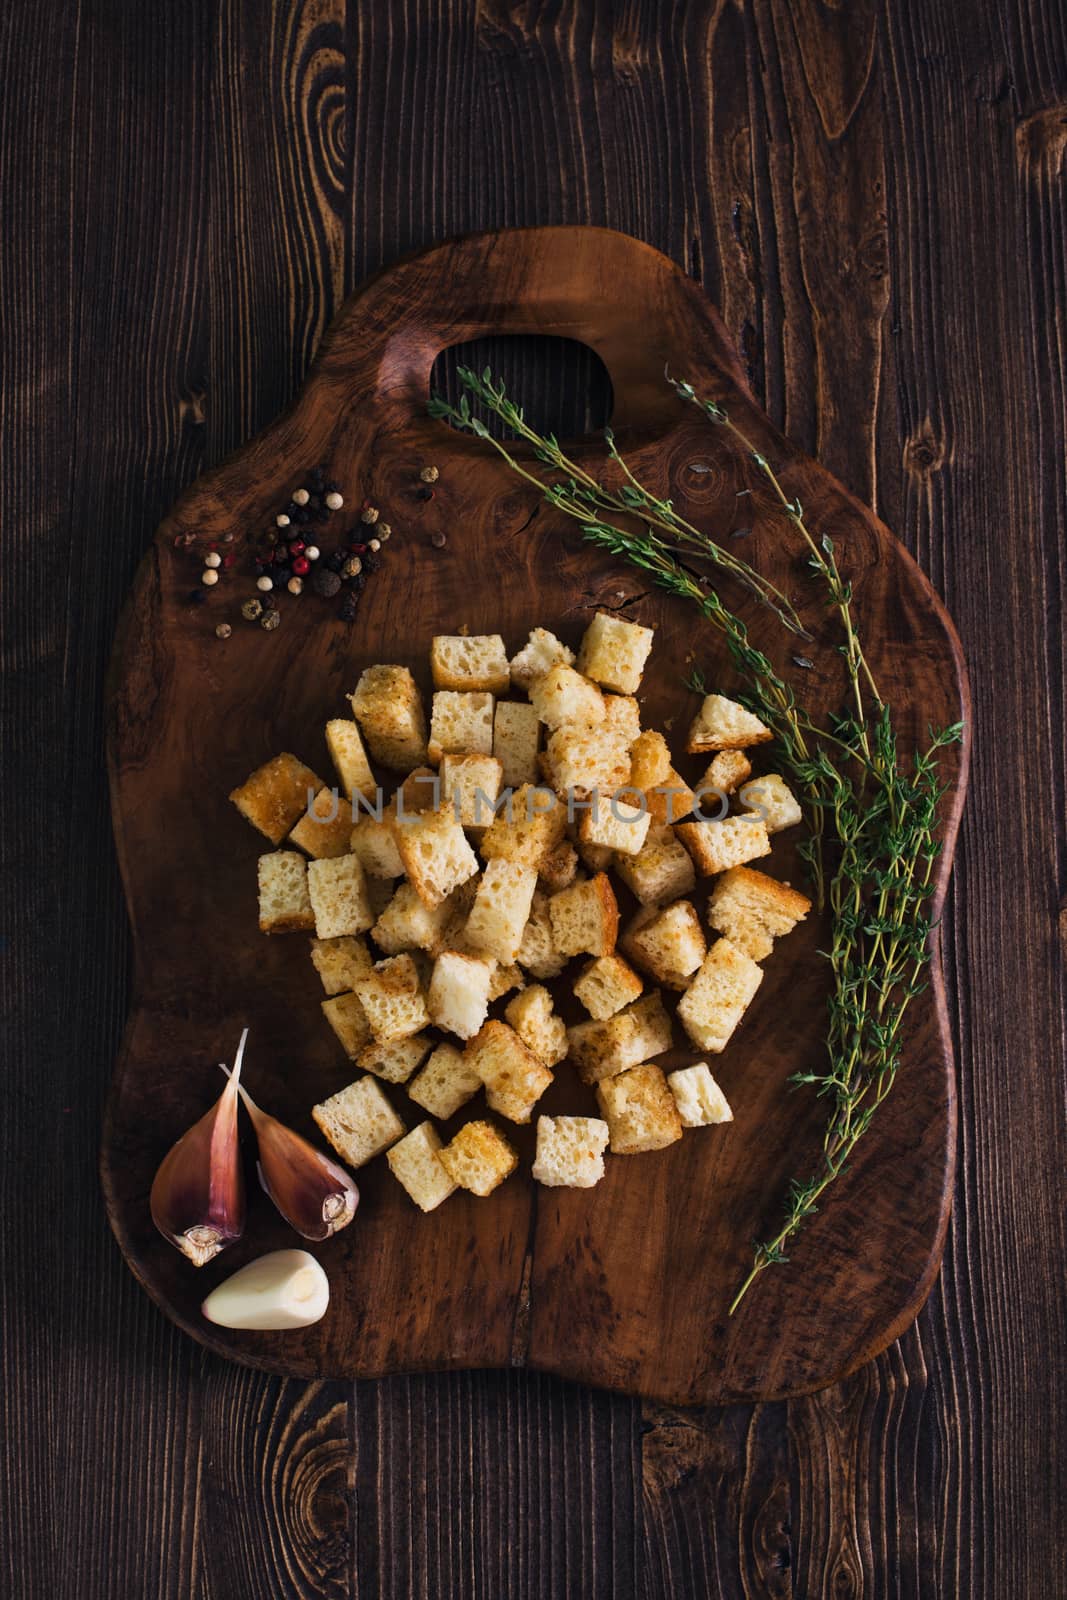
(874, 194)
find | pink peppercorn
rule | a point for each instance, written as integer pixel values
(301, 566)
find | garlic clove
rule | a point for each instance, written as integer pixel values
(198, 1195)
(314, 1194)
(285, 1289)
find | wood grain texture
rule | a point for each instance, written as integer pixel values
(615, 1286)
(143, 336)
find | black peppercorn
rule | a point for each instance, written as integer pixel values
(281, 574)
(335, 560)
(348, 608)
(371, 562)
(196, 597)
(300, 514)
(325, 582)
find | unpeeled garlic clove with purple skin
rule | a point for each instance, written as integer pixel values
(198, 1195)
(315, 1195)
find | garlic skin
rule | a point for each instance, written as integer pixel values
(198, 1195)
(314, 1194)
(285, 1289)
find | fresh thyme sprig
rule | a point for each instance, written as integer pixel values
(580, 495)
(881, 816)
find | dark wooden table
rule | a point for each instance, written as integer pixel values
(874, 194)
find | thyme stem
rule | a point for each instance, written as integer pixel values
(881, 813)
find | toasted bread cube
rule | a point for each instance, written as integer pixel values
(420, 791)
(470, 785)
(391, 995)
(650, 760)
(284, 902)
(532, 1016)
(726, 771)
(339, 962)
(607, 984)
(326, 826)
(722, 724)
(563, 696)
(615, 824)
(670, 800)
(372, 841)
(600, 1049)
(479, 1158)
(558, 868)
(461, 723)
(347, 1018)
(395, 1059)
(700, 1101)
(613, 653)
(338, 893)
(415, 1164)
(663, 869)
(540, 652)
(585, 918)
(276, 796)
(597, 857)
(445, 1083)
(501, 910)
(718, 996)
(514, 1078)
(651, 1025)
(579, 760)
(408, 924)
(530, 824)
(516, 735)
(537, 953)
(470, 661)
(570, 1152)
(770, 795)
(359, 1122)
(640, 1110)
(379, 894)
(666, 942)
(459, 909)
(388, 707)
(345, 744)
(435, 853)
(753, 910)
(622, 717)
(504, 979)
(715, 846)
(459, 993)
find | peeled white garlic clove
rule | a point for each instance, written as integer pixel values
(285, 1289)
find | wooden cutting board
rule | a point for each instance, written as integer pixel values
(625, 1285)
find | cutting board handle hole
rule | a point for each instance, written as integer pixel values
(562, 385)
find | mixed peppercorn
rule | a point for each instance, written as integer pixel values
(287, 557)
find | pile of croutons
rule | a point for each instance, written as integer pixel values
(490, 869)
